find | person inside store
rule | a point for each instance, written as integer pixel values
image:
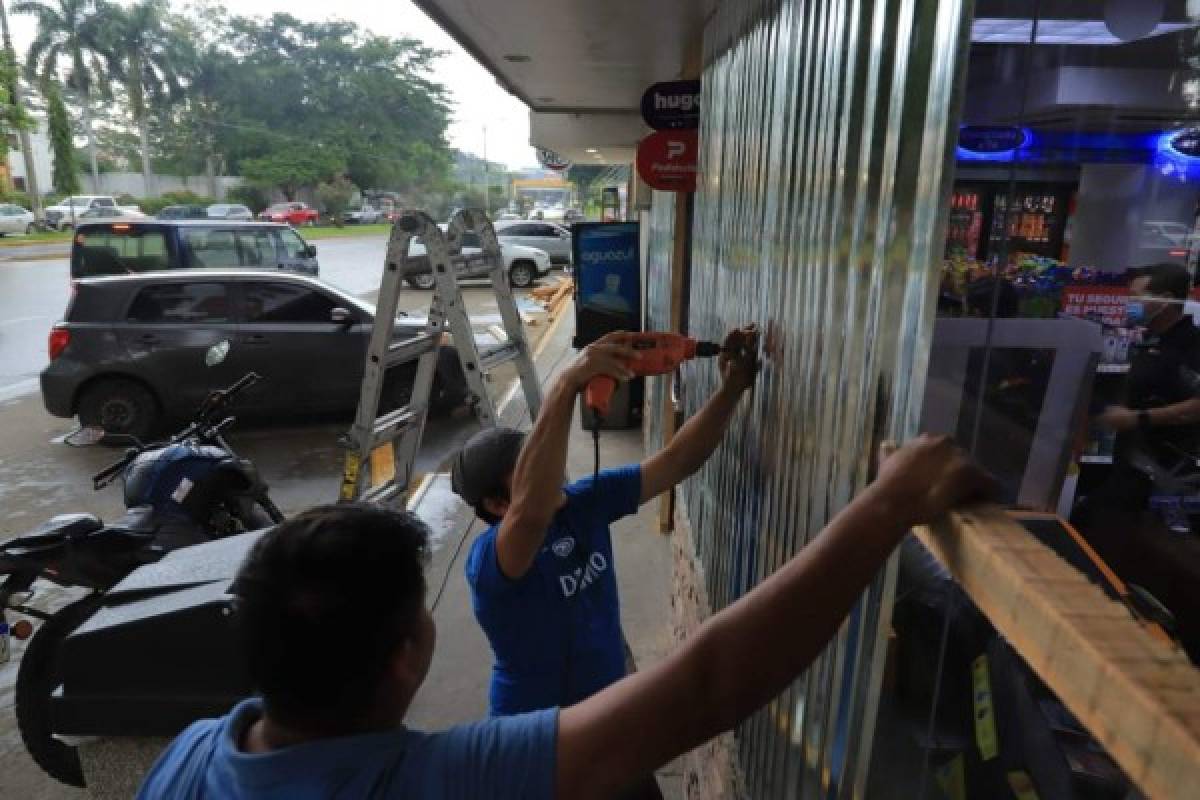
(1158, 425)
(332, 618)
(542, 575)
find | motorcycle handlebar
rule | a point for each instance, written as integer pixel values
(214, 403)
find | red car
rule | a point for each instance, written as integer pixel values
(291, 213)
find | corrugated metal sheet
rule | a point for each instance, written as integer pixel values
(658, 303)
(825, 139)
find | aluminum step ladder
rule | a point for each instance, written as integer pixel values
(381, 450)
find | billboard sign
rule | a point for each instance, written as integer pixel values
(667, 160)
(673, 105)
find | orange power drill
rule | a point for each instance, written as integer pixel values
(660, 353)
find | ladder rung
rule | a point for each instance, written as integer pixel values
(407, 349)
(390, 425)
(382, 493)
(493, 358)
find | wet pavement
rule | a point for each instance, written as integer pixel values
(40, 476)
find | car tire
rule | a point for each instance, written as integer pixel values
(119, 406)
(30, 228)
(422, 280)
(521, 274)
(37, 678)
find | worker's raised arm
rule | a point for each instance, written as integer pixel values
(536, 492)
(701, 434)
(745, 655)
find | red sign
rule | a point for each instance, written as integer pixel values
(667, 160)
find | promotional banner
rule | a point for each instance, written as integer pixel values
(607, 279)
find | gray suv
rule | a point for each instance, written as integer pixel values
(130, 355)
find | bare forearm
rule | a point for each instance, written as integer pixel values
(537, 476)
(701, 434)
(748, 653)
(1184, 413)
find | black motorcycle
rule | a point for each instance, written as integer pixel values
(187, 490)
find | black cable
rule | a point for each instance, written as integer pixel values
(450, 567)
(596, 446)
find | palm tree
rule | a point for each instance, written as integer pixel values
(71, 31)
(143, 53)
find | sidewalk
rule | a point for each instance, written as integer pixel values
(456, 689)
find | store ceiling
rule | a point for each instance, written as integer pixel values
(586, 59)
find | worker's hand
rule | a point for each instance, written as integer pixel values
(928, 477)
(609, 355)
(738, 361)
(1117, 418)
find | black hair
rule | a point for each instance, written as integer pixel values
(322, 603)
(500, 493)
(1171, 280)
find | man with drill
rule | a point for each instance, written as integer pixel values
(541, 575)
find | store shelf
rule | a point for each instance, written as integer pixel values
(1112, 369)
(1095, 459)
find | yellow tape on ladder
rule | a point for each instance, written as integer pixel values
(985, 716)
(350, 477)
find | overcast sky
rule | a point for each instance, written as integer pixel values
(478, 100)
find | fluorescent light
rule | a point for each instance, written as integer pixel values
(591, 150)
(1001, 30)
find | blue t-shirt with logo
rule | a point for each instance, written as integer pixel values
(513, 757)
(556, 630)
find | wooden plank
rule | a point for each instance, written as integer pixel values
(1137, 695)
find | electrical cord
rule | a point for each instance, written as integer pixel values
(453, 560)
(937, 693)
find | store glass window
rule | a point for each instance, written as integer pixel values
(1066, 359)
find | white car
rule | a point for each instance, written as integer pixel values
(65, 214)
(229, 211)
(14, 219)
(525, 264)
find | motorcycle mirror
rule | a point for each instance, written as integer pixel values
(216, 354)
(85, 436)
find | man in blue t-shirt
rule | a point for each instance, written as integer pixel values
(330, 608)
(542, 575)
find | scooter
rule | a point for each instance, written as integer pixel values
(187, 490)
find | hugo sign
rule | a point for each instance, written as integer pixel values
(666, 160)
(672, 105)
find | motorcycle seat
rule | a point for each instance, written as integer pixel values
(54, 532)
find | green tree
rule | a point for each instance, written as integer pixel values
(334, 198)
(142, 52)
(291, 166)
(70, 31)
(66, 170)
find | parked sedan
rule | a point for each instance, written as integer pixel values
(14, 219)
(362, 216)
(129, 356)
(554, 239)
(291, 213)
(229, 211)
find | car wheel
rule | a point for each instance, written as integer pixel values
(521, 274)
(30, 228)
(119, 406)
(422, 280)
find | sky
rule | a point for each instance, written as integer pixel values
(479, 100)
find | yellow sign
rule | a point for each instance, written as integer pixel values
(985, 717)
